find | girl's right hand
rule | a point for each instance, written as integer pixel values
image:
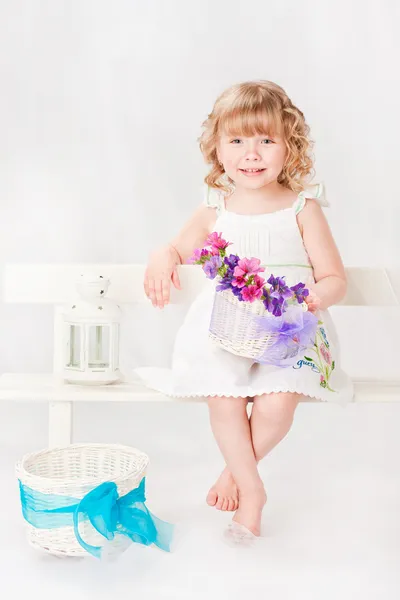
(159, 273)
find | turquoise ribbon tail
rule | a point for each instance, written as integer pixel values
(109, 514)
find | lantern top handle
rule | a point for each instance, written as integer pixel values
(91, 285)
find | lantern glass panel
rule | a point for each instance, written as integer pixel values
(98, 346)
(116, 347)
(74, 347)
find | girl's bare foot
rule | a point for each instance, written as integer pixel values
(224, 493)
(250, 510)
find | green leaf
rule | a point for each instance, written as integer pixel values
(320, 322)
(308, 358)
(333, 365)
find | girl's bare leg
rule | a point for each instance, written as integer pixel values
(231, 429)
(224, 493)
(270, 421)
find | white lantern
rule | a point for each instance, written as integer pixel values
(91, 334)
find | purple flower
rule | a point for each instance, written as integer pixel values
(238, 293)
(300, 292)
(278, 306)
(229, 264)
(279, 287)
(267, 300)
(225, 283)
(211, 267)
(231, 261)
(272, 304)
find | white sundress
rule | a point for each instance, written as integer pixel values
(200, 368)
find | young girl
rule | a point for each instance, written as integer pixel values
(256, 142)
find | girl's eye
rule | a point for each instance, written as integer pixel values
(238, 141)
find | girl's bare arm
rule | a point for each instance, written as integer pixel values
(161, 268)
(329, 272)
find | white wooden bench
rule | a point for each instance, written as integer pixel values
(55, 284)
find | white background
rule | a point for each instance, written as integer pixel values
(101, 106)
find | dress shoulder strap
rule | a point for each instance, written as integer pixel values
(316, 191)
(214, 199)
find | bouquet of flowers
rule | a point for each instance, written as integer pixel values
(267, 321)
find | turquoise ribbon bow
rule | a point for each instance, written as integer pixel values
(108, 513)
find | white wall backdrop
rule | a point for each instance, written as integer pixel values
(100, 108)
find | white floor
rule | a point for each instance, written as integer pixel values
(331, 525)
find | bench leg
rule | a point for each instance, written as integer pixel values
(60, 424)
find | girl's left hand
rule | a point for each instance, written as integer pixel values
(313, 301)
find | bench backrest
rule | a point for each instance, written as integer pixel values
(55, 284)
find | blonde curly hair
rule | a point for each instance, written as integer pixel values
(248, 109)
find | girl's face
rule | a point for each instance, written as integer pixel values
(252, 162)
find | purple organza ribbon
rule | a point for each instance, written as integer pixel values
(295, 330)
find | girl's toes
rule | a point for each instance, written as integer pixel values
(220, 501)
(212, 498)
(225, 504)
(231, 504)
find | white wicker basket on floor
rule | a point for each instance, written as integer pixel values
(74, 471)
(233, 329)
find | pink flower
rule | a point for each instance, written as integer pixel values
(216, 242)
(322, 378)
(251, 293)
(248, 266)
(197, 255)
(259, 281)
(326, 355)
(239, 282)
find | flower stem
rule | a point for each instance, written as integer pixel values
(321, 368)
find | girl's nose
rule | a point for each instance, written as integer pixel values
(252, 153)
